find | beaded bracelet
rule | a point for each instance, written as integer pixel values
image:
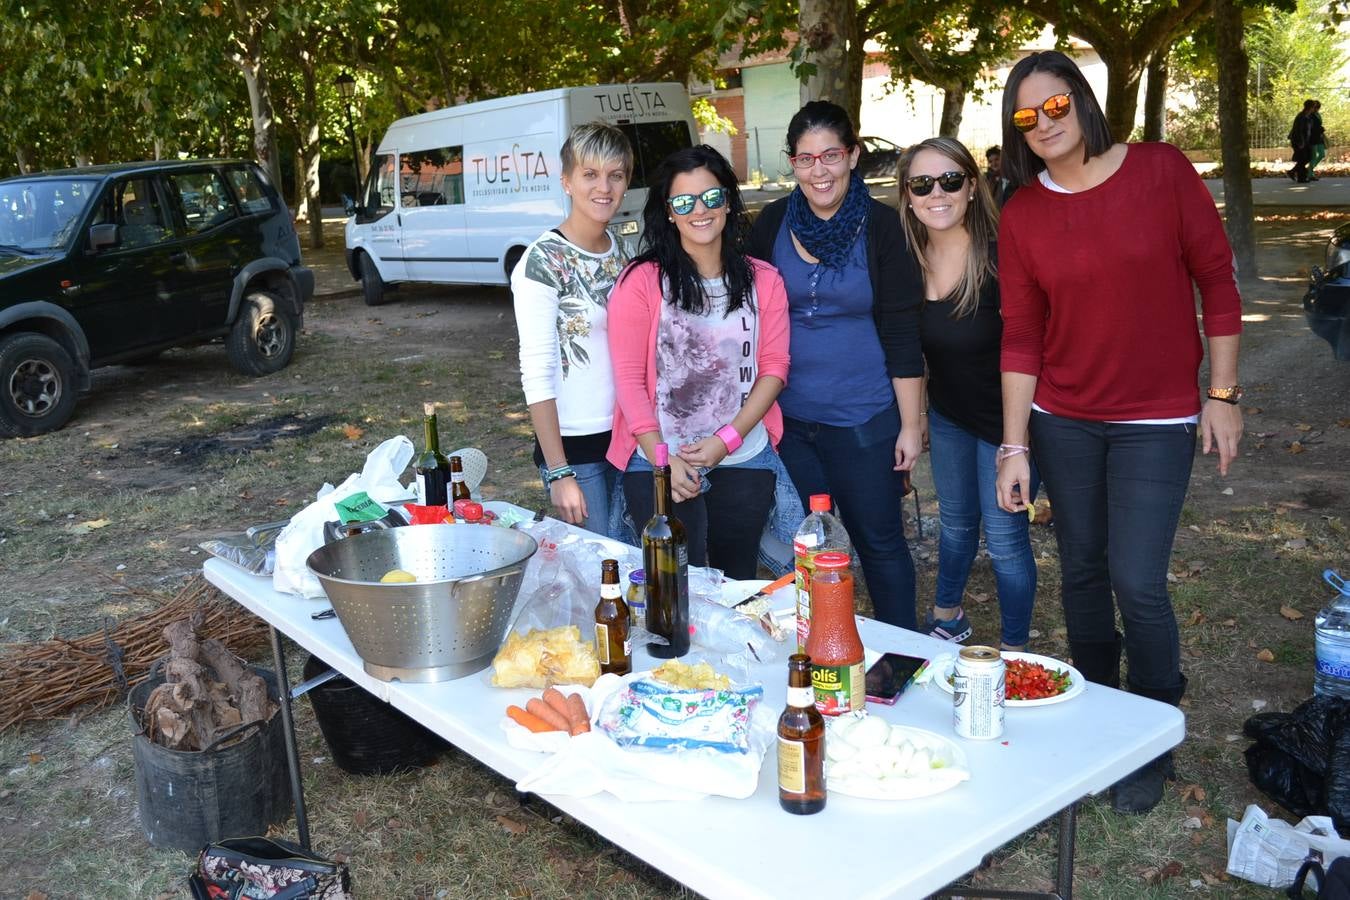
(558, 473)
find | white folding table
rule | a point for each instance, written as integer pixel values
(1048, 759)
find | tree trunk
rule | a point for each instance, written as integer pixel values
(1155, 96)
(1123, 74)
(264, 119)
(21, 158)
(953, 105)
(829, 33)
(1231, 50)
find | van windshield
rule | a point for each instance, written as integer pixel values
(653, 142)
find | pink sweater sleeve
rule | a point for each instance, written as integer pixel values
(771, 301)
(634, 303)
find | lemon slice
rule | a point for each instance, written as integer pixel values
(397, 576)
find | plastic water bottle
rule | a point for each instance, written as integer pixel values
(1333, 642)
(819, 532)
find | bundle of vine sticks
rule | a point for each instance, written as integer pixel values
(51, 679)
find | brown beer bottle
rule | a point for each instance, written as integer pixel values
(801, 744)
(612, 645)
(459, 488)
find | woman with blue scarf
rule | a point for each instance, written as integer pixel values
(852, 403)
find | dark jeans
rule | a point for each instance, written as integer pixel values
(723, 524)
(1117, 492)
(854, 466)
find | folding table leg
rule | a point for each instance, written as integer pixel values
(292, 751)
(1068, 827)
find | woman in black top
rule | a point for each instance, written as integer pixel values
(951, 222)
(853, 396)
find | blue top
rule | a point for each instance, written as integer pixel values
(838, 370)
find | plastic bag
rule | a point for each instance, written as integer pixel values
(378, 478)
(1301, 760)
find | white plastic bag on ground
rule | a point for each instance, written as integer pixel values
(379, 478)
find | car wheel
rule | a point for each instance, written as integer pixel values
(263, 337)
(372, 285)
(37, 385)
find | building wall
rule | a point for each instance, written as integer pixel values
(772, 98)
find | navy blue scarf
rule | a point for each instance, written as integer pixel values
(830, 240)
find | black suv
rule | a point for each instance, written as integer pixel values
(113, 264)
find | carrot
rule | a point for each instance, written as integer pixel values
(532, 722)
(581, 720)
(554, 698)
(548, 714)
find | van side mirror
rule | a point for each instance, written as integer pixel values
(103, 237)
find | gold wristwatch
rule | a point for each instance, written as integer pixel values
(1227, 395)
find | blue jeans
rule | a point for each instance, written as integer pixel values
(964, 473)
(854, 466)
(1117, 491)
(597, 481)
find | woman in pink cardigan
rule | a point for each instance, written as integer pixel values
(698, 337)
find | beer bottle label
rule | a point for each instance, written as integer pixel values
(839, 689)
(627, 649)
(602, 643)
(791, 766)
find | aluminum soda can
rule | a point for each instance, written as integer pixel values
(977, 693)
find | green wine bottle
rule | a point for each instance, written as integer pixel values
(665, 558)
(432, 468)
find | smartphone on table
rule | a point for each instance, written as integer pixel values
(889, 676)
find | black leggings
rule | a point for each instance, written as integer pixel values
(722, 525)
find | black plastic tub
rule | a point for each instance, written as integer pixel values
(188, 798)
(365, 735)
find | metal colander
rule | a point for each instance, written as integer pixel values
(447, 624)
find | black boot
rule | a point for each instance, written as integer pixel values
(1142, 789)
(1098, 661)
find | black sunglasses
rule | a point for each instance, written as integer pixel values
(683, 204)
(922, 185)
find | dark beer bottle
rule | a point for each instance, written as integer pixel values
(665, 559)
(801, 744)
(459, 488)
(612, 645)
(432, 468)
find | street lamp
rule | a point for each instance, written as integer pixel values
(346, 86)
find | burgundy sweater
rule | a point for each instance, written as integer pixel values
(1097, 289)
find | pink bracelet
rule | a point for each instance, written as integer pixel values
(731, 437)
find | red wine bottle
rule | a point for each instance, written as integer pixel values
(432, 468)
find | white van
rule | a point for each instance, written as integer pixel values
(455, 196)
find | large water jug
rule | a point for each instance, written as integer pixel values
(1333, 642)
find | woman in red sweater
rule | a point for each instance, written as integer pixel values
(1101, 249)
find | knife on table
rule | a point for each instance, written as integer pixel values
(767, 589)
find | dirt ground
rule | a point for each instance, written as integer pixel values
(96, 518)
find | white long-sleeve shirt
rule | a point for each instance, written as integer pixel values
(560, 293)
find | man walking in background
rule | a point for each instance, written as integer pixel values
(1300, 138)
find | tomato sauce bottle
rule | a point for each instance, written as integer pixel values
(834, 646)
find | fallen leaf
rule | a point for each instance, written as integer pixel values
(1295, 447)
(36, 895)
(1290, 613)
(353, 432)
(1197, 838)
(281, 502)
(1228, 623)
(35, 758)
(1343, 423)
(1197, 566)
(419, 857)
(1302, 426)
(512, 825)
(1197, 617)
(360, 818)
(980, 597)
(1193, 792)
(1251, 410)
(1211, 879)
(1171, 870)
(1171, 579)
(91, 525)
(245, 495)
(1296, 544)
(1266, 656)
(393, 823)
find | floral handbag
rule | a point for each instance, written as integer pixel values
(258, 868)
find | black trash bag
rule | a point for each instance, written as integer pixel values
(1301, 759)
